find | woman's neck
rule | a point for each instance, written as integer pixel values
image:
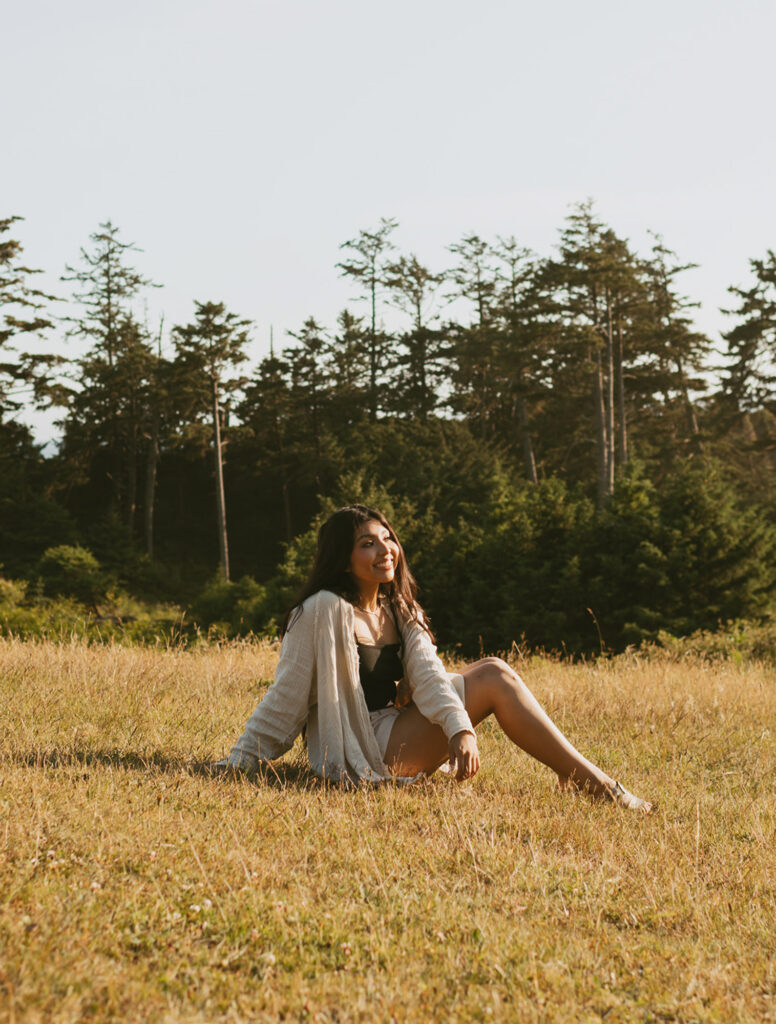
(368, 598)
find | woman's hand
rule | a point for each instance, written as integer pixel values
(464, 754)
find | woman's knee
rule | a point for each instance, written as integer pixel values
(495, 672)
(501, 669)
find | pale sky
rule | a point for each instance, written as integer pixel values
(239, 143)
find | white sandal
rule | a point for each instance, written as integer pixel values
(619, 795)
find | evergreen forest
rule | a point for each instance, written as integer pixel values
(570, 463)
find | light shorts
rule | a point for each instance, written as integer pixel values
(383, 719)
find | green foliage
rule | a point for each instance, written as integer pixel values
(27, 613)
(485, 440)
(117, 399)
(741, 641)
(21, 306)
(681, 558)
(540, 566)
(513, 573)
(28, 528)
(751, 372)
(234, 608)
(72, 571)
(721, 553)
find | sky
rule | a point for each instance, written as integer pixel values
(238, 143)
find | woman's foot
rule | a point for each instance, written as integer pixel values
(610, 790)
(619, 795)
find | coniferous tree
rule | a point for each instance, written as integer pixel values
(162, 417)
(310, 393)
(107, 287)
(750, 374)
(347, 366)
(104, 428)
(422, 359)
(267, 411)
(523, 342)
(109, 413)
(367, 255)
(208, 349)
(475, 380)
(676, 350)
(596, 284)
(22, 375)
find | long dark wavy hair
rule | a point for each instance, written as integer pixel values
(330, 570)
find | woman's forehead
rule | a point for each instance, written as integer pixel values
(371, 526)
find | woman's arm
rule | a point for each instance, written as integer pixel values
(279, 717)
(432, 691)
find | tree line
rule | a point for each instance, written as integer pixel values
(541, 449)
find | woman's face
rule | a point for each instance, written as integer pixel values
(375, 555)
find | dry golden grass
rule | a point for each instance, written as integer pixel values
(137, 888)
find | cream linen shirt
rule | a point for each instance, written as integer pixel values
(317, 682)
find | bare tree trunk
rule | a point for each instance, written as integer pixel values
(609, 399)
(287, 509)
(760, 425)
(525, 433)
(425, 399)
(284, 488)
(373, 354)
(602, 444)
(130, 499)
(622, 426)
(152, 460)
(223, 545)
(692, 419)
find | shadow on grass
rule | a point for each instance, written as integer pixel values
(283, 775)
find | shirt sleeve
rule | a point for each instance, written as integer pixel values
(432, 692)
(279, 717)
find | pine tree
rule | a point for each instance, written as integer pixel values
(310, 391)
(365, 264)
(677, 351)
(523, 340)
(751, 373)
(422, 360)
(475, 378)
(207, 350)
(596, 287)
(267, 412)
(347, 368)
(104, 428)
(22, 374)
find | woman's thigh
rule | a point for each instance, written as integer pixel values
(417, 745)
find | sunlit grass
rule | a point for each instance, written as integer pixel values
(135, 887)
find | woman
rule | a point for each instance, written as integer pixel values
(356, 631)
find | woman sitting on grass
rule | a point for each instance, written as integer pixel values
(355, 633)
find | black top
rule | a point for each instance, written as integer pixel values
(379, 683)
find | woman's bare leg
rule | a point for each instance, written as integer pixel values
(492, 687)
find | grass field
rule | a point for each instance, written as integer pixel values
(134, 887)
